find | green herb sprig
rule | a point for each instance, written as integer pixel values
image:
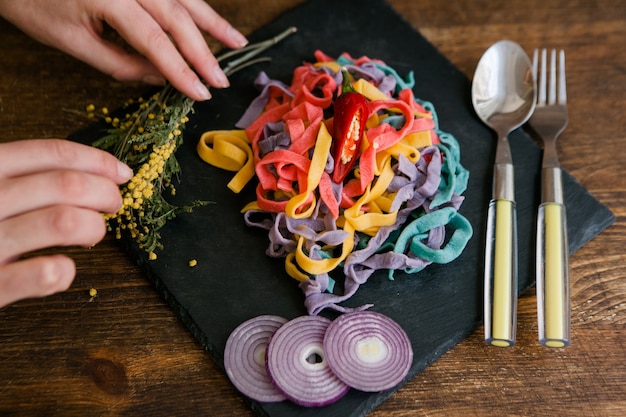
(146, 138)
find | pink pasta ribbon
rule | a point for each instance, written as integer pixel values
(319, 226)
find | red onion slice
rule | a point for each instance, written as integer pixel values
(296, 363)
(244, 358)
(368, 351)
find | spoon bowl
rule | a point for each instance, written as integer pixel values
(503, 88)
(503, 96)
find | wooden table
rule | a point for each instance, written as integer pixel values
(125, 353)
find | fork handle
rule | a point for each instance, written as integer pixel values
(553, 298)
(501, 273)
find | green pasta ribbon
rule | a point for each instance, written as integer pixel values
(413, 235)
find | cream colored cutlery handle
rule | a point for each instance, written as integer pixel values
(553, 298)
(501, 274)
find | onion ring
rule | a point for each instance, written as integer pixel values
(368, 351)
(245, 357)
(296, 363)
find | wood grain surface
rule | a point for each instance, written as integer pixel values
(124, 352)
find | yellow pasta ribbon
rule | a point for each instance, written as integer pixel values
(316, 169)
(370, 222)
(229, 150)
(302, 260)
(418, 140)
(383, 203)
(410, 146)
(354, 218)
(369, 90)
(291, 267)
(253, 205)
(320, 266)
(332, 65)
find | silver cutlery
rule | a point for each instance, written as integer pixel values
(503, 96)
(548, 121)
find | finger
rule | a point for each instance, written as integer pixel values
(61, 187)
(143, 32)
(177, 21)
(49, 227)
(40, 155)
(211, 22)
(35, 277)
(114, 61)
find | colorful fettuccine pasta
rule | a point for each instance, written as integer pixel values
(397, 209)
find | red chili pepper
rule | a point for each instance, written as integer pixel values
(351, 112)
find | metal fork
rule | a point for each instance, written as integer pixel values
(548, 121)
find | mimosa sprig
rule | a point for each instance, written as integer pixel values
(146, 138)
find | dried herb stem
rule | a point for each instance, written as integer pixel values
(145, 136)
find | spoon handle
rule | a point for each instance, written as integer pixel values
(501, 265)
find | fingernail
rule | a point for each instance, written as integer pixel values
(220, 78)
(238, 39)
(124, 171)
(202, 91)
(154, 80)
(50, 276)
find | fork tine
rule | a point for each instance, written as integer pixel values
(552, 87)
(541, 77)
(562, 92)
(535, 63)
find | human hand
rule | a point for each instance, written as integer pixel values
(168, 33)
(53, 193)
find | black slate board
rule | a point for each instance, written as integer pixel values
(234, 280)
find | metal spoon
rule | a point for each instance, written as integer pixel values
(503, 95)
